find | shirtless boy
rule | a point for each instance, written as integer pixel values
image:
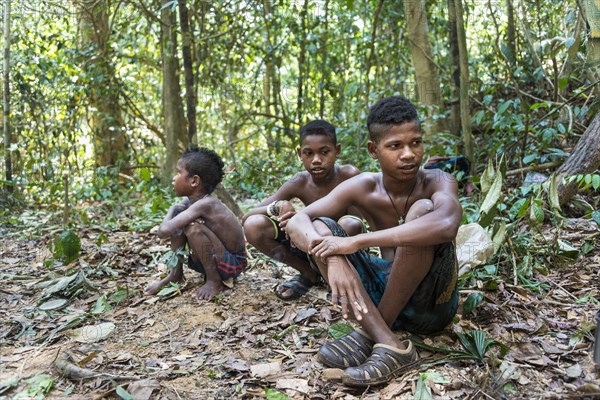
(414, 214)
(264, 225)
(211, 231)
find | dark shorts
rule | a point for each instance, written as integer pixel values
(230, 266)
(282, 238)
(434, 302)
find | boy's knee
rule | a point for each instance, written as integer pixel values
(256, 227)
(321, 228)
(419, 208)
(194, 228)
(351, 225)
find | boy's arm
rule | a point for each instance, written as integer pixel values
(436, 227)
(179, 216)
(284, 194)
(300, 228)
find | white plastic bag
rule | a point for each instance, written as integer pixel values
(473, 247)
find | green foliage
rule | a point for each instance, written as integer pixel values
(66, 247)
(37, 387)
(339, 330)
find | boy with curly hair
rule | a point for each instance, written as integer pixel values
(211, 231)
(414, 215)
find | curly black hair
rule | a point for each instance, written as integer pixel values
(206, 164)
(318, 127)
(393, 110)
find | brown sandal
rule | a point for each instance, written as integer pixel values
(348, 351)
(384, 364)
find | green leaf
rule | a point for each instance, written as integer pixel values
(553, 194)
(472, 302)
(596, 217)
(504, 106)
(491, 199)
(596, 182)
(145, 174)
(339, 330)
(66, 247)
(487, 177)
(171, 288)
(101, 305)
(124, 394)
(499, 235)
(519, 208)
(37, 387)
(565, 249)
(273, 394)
(423, 391)
(119, 295)
(536, 214)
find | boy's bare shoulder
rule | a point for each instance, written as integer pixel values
(298, 181)
(348, 171)
(362, 181)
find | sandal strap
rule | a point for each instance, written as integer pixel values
(348, 351)
(384, 363)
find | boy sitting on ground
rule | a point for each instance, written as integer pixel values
(264, 226)
(414, 214)
(211, 231)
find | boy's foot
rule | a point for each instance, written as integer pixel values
(155, 286)
(209, 290)
(384, 364)
(294, 288)
(349, 351)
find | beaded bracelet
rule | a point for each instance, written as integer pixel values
(273, 209)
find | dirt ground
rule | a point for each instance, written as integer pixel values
(248, 344)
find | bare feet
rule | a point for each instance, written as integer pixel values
(209, 290)
(155, 286)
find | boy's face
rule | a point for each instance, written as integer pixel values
(183, 184)
(318, 155)
(399, 151)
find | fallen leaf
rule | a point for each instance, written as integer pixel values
(264, 370)
(299, 385)
(92, 333)
(142, 390)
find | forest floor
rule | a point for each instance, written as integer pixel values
(109, 341)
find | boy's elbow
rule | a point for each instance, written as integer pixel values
(449, 229)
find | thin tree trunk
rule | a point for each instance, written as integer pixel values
(175, 134)
(106, 121)
(455, 70)
(325, 72)
(427, 79)
(511, 30)
(465, 115)
(585, 159)
(6, 98)
(372, 50)
(302, 63)
(190, 92)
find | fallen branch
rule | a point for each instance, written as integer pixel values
(540, 167)
(67, 368)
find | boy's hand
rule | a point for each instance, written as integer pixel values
(345, 288)
(331, 246)
(284, 218)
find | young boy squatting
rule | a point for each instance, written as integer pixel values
(212, 232)
(264, 226)
(414, 215)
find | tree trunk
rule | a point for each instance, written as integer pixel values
(372, 50)
(584, 159)
(174, 124)
(190, 92)
(302, 70)
(325, 72)
(455, 70)
(6, 98)
(106, 121)
(428, 82)
(465, 104)
(511, 40)
(591, 10)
